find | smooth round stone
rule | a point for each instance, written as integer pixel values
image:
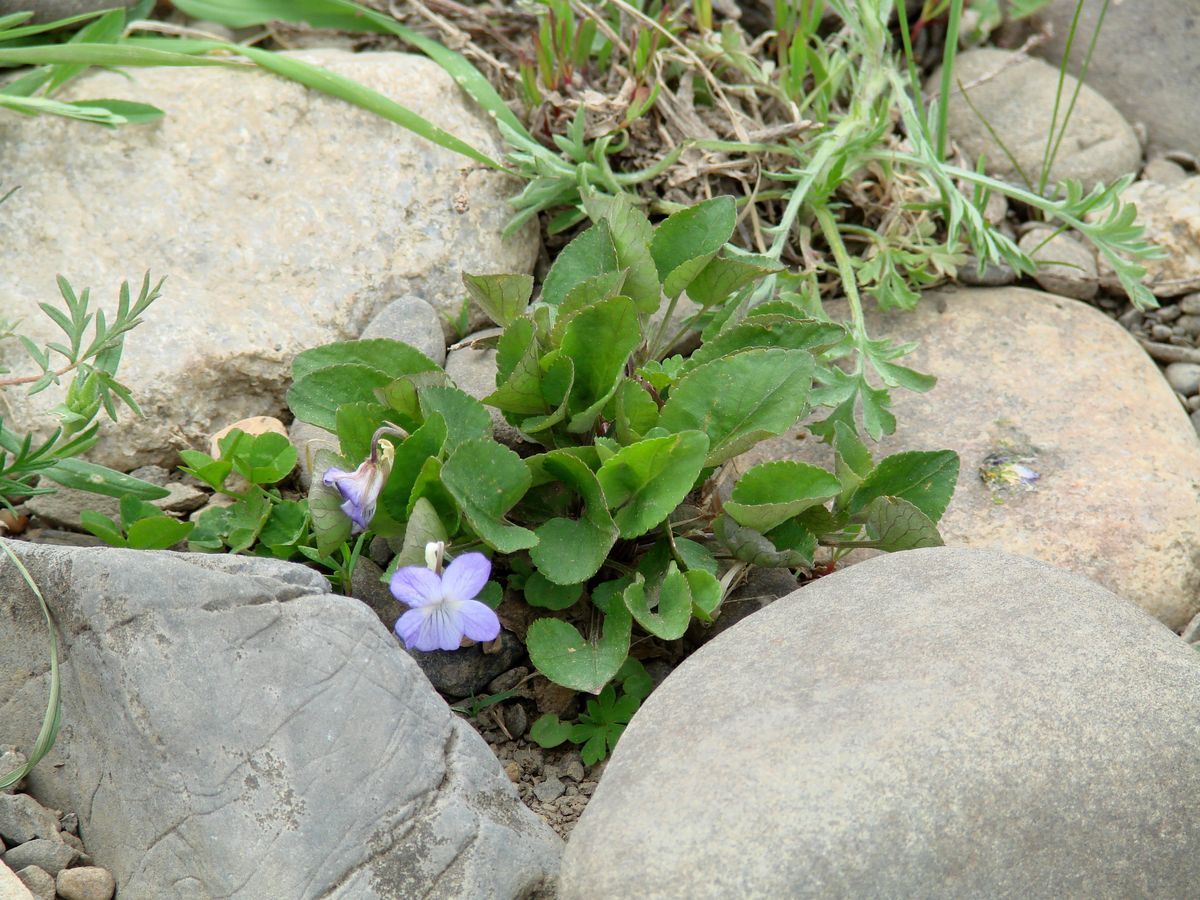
(1184, 377)
(1065, 266)
(413, 321)
(939, 723)
(1015, 95)
(86, 883)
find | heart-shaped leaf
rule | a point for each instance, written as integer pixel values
(564, 656)
(925, 478)
(685, 241)
(569, 551)
(590, 254)
(723, 276)
(895, 524)
(540, 591)
(674, 607)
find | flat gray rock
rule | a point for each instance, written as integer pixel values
(232, 729)
(938, 723)
(1015, 95)
(282, 218)
(1145, 62)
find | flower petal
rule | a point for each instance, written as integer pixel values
(360, 489)
(465, 577)
(478, 621)
(416, 586)
(443, 628)
(408, 627)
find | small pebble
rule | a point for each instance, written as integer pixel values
(86, 883)
(1160, 332)
(574, 770)
(22, 819)
(1169, 313)
(513, 771)
(1189, 304)
(11, 759)
(516, 720)
(1196, 421)
(993, 275)
(506, 681)
(39, 882)
(1164, 171)
(1184, 377)
(549, 790)
(1193, 403)
(1190, 324)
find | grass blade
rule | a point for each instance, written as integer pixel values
(53, 718)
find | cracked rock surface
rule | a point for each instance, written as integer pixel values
(231, 729)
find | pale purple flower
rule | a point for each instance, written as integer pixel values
(444, 608)
(360, 489)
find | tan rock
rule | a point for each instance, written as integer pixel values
(1015, 94)
(11, 887)
(1065, 266)
(1061, 387)
(1171, 216)
(255, 425)
(282, 218)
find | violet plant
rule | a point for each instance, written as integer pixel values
(606, 515)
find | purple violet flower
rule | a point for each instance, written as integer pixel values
(444, 608)
(360, 488)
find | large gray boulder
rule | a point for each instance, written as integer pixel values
(232, 729)
(1145, 62)
(938, 723)
(282, 219)
(1052, 384)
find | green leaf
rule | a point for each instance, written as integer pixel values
(635, 680)
(686, 241)
(766, 332)
(209, 533)
(266, 458)
(87, 476)
(286, 527)
(410, 457)
(465, 417)
(158, 533)
(424, 527)
(402, 397)
(564, 656)
(558, 377)
(896, 524)
(570, 551)
(540, 591)
(586, 293)
(393, 358)
(706, 593)
(315, 397)
(102, 527)
(429, 486)
(549, 731)
(246, 519)
(518, 372)
(356, 425)
(634, 411)
(772, 492)
(588, 255)
(132, 113)
(331, 527)
(674, 605)
(502, 298)
(755, 548)
(644, 482)
(487, 480)
(740, 400)
(631, 234)
(926, 479)
(599, 341)
(852, 453)
(133, 510)
(723, 276)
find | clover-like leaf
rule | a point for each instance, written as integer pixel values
(645, 481)
(566, 657)
(266, 458)
(487, 479)
(549, 731)
(739, 400)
